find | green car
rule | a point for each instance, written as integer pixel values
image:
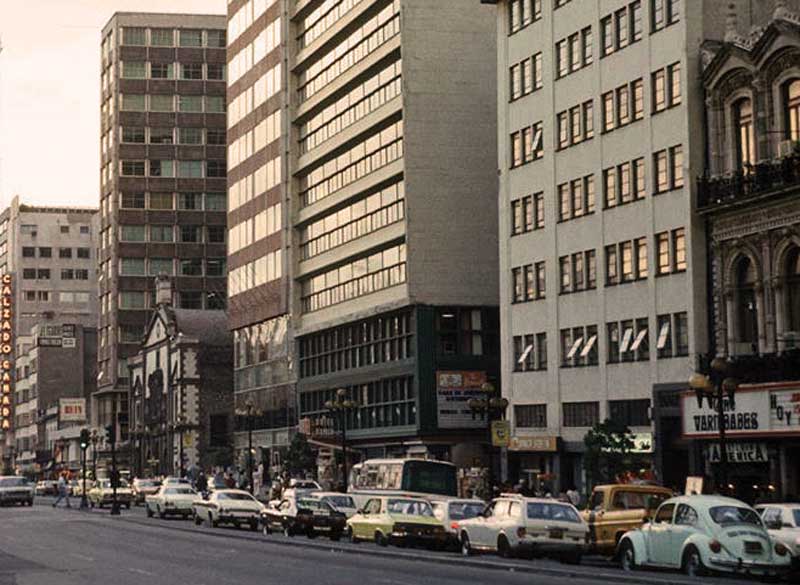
(397, 520)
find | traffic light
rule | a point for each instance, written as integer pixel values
(85, 439)
(111, 434)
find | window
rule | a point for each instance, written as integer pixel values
(160, 200)
(627, 340)
(526, 145)
(45, 252)
(189, 233)
(215, 71)
(28, 252)
(131, 266)
(64, 229)
(581, 414)
(162, 37)
(792, 106)
(29, 274)
(576, 198)
(527, 214)
(65, 252)
(575, 125)
(132, 233)
(83, 253)
(216, 202)
(190, 169)
(631, 413)
(532, 416)
(579, 346)
(162, 71)
(216, 168)
(132, 102)
(666, 85)
(133, 134)
(162, 168)
(216, 39)
(526, 76)
(190, 103)
(191, 299)
(190, 201)
(191, 267)
(663, 13)
(671, 251)
(621, 28)
(664, 341)
(745, 139)
(131, 300)
(686, 516)
(578, 272)
(161, 266)
(134, 70)
(161, 233)
(216, 234)
(133, 168)
(162, 103)
(215, 266)
(132, 200)
(574, 52)
(624, 183)
(528, 282)
(190, 38)
(528, 355)
(668, 169)
(523, 12)
(190, 135)
(216, 137)
(681, 334)
(191, 70)
(612, 265)
(623, 105)
(134, 36)
(161, 136)
(215, 104)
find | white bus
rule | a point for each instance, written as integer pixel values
(407, 477)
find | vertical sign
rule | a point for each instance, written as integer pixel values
(6, 351)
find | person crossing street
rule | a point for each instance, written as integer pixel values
(63, 490)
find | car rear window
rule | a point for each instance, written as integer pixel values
(179, 491)
(340, 501)
(410, 507)
(240, 497)
(465, 510)
(554, 512)
(725, 515)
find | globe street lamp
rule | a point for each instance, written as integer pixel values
(490, 406)
(340, 406)
(714, 386)
(250, 412)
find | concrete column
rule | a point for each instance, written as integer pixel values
(760, 318)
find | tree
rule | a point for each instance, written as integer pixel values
(608, 449)
(300, 458)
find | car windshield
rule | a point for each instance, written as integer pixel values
(305, 485)
(410, 507)
(13, 482)
(465, 510)
(724, 515)
(340, 501)
(147, 483)
(309, 504)
(554, 512)
(234, 496)
(180, 491)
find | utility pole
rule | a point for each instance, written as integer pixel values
(85, 440)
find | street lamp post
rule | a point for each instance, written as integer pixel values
(94, 439)
(715, 385)
(340, 406)
(250, 412)
(489, 406)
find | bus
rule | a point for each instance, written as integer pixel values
(402, 477)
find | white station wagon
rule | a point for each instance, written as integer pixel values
(699, 534)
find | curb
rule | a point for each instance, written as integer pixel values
(643, 578)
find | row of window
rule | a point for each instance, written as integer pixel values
(259, 343)
(182, 169)
(666, 84)
(358, 161)
(171, 135)
(358, 219)
(528, 283)
(527, 214)
(44, 274)
(323, 17)
(168, 37)
(574, 52)
(626, 261)
(140, 102)
(163, 70)
(267, 40)
(31, 229)
(47, 252)
(526, 76)
(623, 105)
(186, 266)
(623, 183)
(166, 201)
(357, 46)
(575, 125)
(257, 94)
(360, 101)
(256, 273)
(360, 277)
(259, 181)
(530, 352)
(263, 224)
(249, 13)
(577, 272)
(523, 12)
(621, 28)
(631, 413)
(186, 234)
(187, 299)
(527, 145)
(45, 296)
(251, 142)
(576, 198)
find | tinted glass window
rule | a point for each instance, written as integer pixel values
(429, 477)
(411, 507)
(664, 514)
(686, 516)
(554, 512)
(465, 510)
(725, 515)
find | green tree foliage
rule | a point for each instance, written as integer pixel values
(608, 452)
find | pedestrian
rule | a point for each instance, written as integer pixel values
(201, 483)
(573, 496)
(63, 490)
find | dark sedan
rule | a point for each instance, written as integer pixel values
(309, 516)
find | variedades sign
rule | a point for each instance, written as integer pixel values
(769, 409)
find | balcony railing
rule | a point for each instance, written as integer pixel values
(760, 179)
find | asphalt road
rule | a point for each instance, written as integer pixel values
(43, 546)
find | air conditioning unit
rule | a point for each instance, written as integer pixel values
(786, 148)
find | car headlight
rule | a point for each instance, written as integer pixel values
(780, 549)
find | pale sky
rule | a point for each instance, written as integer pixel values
(50, 94)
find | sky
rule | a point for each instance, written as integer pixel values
(50, 94)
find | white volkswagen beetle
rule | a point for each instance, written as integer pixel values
(699, 534)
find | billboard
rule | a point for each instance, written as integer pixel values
(6, 352)
(72, 410)
(453, 392)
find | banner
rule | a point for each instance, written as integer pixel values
(72, 410)
(501, 433)
(453, 392)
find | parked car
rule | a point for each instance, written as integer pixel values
(102, 494)
(47, 488)
(516, 525)
(176, 481)
(450, 512)
(310, 516)
(76, 487)
(783, 524)
(397, 520)
(698, 534)
(16, 490)
(143, 488)
(171, 500)
(615, 509)
(235, 507)
(340, 502)
(300, 487)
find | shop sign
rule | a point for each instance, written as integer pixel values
(50, 341)
(739, 453)
(501, 433)
(755, 411)
(694, 485)
(453, 393)
(318, 427)
(642, 443)
(543, 444)
(72, 410)
(6, 352)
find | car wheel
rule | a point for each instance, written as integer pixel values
(266, 530)
(692, 563)
(627, 556)
(503, 547)
(466, 547)
(351, 535)
(287, 531)
(149, 512)
(380, 539)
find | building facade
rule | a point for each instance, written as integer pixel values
(602, 256)
(163, 181)
(182, 391)
(361, 217)
(48, 256)
(749, 197)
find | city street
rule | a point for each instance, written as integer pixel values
(42, 546)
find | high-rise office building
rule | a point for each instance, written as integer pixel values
(163, 180)
(362, 217)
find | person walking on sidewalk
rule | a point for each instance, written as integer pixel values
(63, 490)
